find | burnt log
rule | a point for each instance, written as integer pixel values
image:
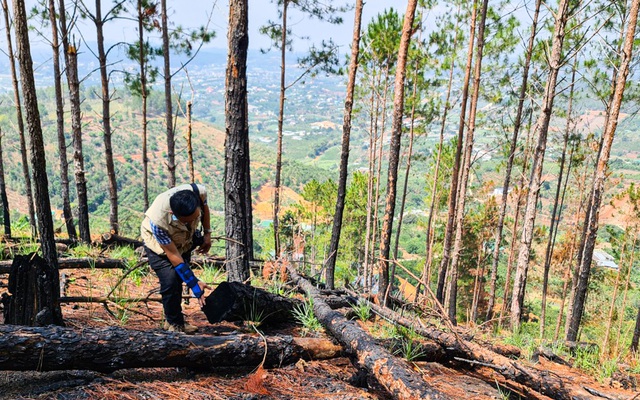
(111, 239)
(398, 378)
(235, 301)
(77, 263)
(109, 349)
(543, 382)
(338, 301)
(115, 263)
(33, 298)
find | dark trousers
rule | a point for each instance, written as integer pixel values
(170, 285)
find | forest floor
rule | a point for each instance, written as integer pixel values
(335, 378)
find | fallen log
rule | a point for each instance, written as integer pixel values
(76, 263)
(460, 384)
(398, 378)
(543, 382)
(235, 301)
(116, 263)
(111, 239)
(54, 348)
(104, 299)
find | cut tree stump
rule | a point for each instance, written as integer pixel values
(398, 378)
(54, 348)
(235, 301)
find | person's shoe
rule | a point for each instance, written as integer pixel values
(189, 329)
(172, 328)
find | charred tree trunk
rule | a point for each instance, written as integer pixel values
(62, 141)
(6, 216)
(238, 211)
(394, 148)
(344, 153)
(34, 297)
(394, 374)
(106, 350)
(38, 162)
(23, 142)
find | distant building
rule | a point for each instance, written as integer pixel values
(604, 259)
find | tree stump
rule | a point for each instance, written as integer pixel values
(34, 298)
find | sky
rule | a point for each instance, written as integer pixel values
(195, 13)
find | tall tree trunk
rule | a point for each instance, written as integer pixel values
(580, 293)
(583, 205)
(517, 213)
(541, 130)
(38, 161)
(455, 171)
(276, 192)
(143, 93)
(477, 282)
(71, 58)
(367, 237)
(171, 142)
(394, 146)
(192, 174)
(6, 215)
(344, 154)
(405, 184)
(555, 213)
(20, 120)
(567, 275)
(604, 349)
(626, 288)
(466, 167)
(636, 334)
(426, 272)
(62, 141)
(237, 159)
(517, 124)
(381, 112)
(106, 121)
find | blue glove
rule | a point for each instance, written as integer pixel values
(187, 276)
